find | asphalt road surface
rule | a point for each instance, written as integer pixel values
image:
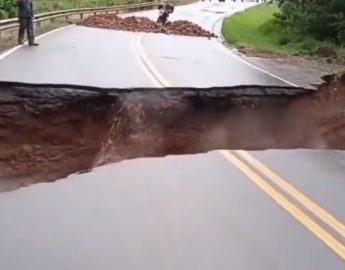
(222, 210)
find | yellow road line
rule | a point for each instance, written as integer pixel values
(149, 68)
(292, 209)
(297, 213)
(295, 193)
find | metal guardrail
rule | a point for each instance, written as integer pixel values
(50, 16)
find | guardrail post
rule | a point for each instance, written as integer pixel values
(82, 16)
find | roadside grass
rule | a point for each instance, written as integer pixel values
(8, 8)
(51, 5)
(256, 30)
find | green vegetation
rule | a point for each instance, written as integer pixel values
(320, 19)
(264, 28)
(8, 8)
(51, 5)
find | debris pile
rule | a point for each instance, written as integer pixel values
(143, 24)
(187, 28)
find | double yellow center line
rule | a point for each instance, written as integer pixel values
(249, 165)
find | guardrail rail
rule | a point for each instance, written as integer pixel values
(10, 24)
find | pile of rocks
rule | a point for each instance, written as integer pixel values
(143, 24)
(188, 29)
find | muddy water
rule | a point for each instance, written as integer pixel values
(48, 132)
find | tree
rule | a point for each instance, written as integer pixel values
(322, 19)
(8, 8)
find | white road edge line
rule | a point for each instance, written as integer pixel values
(157, 78)
(150, 70)
(220, 45)
(8, 52)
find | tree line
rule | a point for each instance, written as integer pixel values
(322, 19)
(7, 8)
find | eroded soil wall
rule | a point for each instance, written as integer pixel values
(50, 131)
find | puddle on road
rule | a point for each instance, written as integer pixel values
(214, 11)
(48, 131)
(177, 59)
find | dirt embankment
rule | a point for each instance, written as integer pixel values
(48, 132)
(143, 24)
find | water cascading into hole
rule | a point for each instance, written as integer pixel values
(112, 138)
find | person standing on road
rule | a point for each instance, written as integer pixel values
(26, 17)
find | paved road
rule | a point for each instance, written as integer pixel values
(223, 210)
(79, 55)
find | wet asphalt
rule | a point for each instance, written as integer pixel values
(178, 212)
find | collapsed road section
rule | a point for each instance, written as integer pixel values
(50, 131)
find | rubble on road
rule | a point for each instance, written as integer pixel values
(143, 24)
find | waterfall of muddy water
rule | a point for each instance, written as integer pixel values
(137, 126)
(123, 121)
(50, 131)
(111, 139)
(175, 121)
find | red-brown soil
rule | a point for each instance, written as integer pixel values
(143, 24)
(48, 132)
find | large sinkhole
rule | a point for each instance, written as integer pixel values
(50, 131)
